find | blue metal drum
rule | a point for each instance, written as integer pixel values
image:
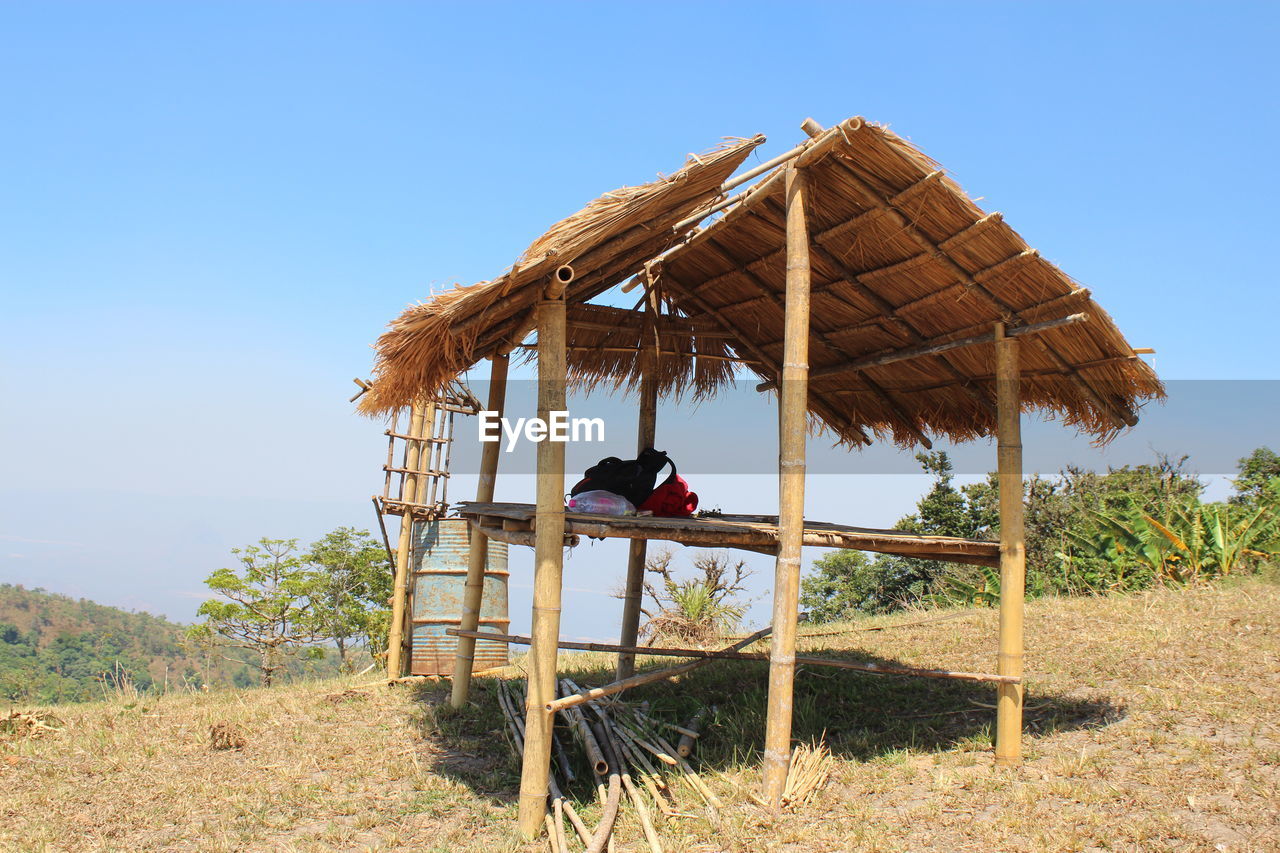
(439, 563)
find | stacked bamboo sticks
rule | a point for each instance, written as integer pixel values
(630, 759)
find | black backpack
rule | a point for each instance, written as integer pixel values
(634, 479)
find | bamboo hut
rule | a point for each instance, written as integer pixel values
(857, 281)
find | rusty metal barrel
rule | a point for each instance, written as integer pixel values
(440, 555)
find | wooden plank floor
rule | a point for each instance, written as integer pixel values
(513, 522)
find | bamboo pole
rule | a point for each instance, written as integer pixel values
(857, 666)
(478, 556)
(934, 349)
(638, 550)
(548, 564)
(792, 427)
(644, 678)
(1012, 551)
(404, 550)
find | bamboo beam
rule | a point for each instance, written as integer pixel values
(814, 150)
(1012, 550)
(478, 555)
(1026, 374)
(732, 183)
(678, 325)
(645, 678)
(548, 570)
(807, 660)
(526, 538)
(934, 348)
(646, 434)
(792, 427)
(678, 354)
(404, 549)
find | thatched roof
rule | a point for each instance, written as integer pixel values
(606, 242)
(606, 344)
(903, 263)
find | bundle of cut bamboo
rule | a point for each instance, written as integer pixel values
(628, 753)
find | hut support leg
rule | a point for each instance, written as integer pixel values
(792, 428)
(1012, 551)
(404, 548)
(639, 549)
(473, 593)
(548, 570)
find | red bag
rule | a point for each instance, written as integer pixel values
(672, 499)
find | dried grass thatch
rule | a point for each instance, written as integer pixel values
(605, 242)
(606, 350)
(902, 260)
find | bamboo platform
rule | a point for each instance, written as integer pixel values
(514, 522)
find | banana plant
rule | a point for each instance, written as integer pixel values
(1195, 541)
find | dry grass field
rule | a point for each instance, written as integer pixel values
(1153, 724)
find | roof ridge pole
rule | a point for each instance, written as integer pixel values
(404, 546)
(646, 434)
(792, 432)
(478, 556)
(1012, 550)
(548, 559)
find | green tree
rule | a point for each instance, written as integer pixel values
(265, 608)
(1256, 472)
(843, 584)
(847, 581)
(353, 582)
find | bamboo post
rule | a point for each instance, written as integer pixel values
(404, 548)
(638, 552)
(1012, 551)
(478, 556)
(548, 561)
(792, 426)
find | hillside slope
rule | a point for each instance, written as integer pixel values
(54, 648)
(1151, 722)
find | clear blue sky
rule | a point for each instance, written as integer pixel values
(208, 212)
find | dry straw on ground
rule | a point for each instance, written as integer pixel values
(29, 724)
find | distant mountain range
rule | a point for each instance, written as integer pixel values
(56, 649)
